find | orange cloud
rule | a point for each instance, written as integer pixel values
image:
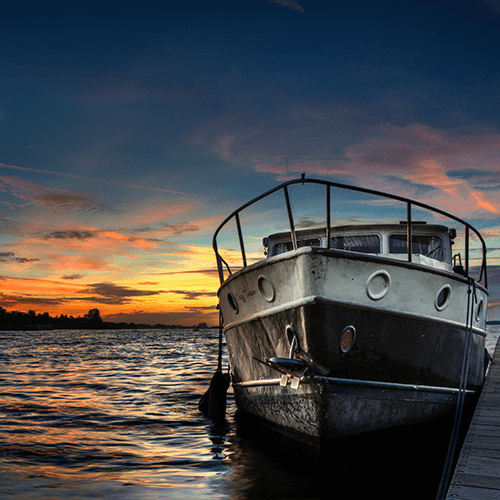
(81, 238)
(153, 212)
(404, 148)
(65, 263)
(459, 195)
(484, 204)
(403, 159)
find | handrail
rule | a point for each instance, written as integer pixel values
(329, 184)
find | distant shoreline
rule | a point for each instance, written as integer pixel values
(105, 326)
(16, 320)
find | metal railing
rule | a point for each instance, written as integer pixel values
(409, 204)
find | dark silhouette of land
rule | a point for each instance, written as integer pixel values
(15, 320)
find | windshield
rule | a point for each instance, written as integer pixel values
(366, 243)
(286, 246)
(423, 244)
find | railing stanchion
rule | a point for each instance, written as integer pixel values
(408, 230)
(240, 237)
(328, 220)
(220, 269)
(466, 250)
(290, 218)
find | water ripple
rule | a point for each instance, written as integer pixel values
(105, 406)
(114, 415)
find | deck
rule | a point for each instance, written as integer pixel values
(477, 474)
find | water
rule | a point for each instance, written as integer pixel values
(114, 415)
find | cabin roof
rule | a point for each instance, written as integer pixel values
(417, 228)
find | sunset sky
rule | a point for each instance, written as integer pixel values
(129, 130)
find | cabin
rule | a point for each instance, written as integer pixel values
(431, 243)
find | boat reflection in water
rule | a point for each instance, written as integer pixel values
(346, 329)
(263, 463)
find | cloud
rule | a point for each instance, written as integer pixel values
(346, 137)
(109, 293)
(180, 228)
(291, 4)
(159, 229)
(15, 300)
(81, 177)
(141, 243)
(304, 132)
(415, 159)
(105, 239)
(10, 257)
(93, 262)
(482, 180)
(207, 271)
(398, 150)
(72, 276)
(37, 194)
(71, 235)
(211, 308)
(458, 194)
(151, 215)
(193, 295)
(406, 147)
(64, 200)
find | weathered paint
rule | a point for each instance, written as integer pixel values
(403, 336)
(322, 408)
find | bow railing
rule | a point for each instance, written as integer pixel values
(410, 204)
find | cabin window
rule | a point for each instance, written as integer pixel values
(286, 246)
(365, 243)
(423, 244)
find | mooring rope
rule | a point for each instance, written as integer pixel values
(464, 375)
(219, 358)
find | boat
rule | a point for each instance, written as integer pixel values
(342, 330)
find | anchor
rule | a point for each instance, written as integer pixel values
(290, 368)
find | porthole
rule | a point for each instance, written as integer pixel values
(232, 302)
(480, 310)
(266, 288)
(378, 284)
(443, 297)
(347, 339)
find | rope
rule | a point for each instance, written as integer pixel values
(450, 458)
(219, 359)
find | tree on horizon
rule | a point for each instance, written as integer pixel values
(93, 317)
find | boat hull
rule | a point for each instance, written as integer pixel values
(387, 379)
(325, 408)
(402, 368)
